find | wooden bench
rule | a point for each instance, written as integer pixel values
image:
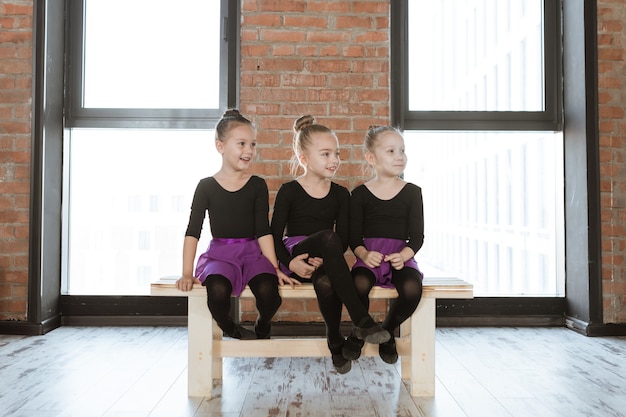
(206, 348)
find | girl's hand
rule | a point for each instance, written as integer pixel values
(372, 258)
(300, 266)
(396, 260)
(186, 283)
(285, 279)
(316, 262)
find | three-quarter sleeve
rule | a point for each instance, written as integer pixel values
(356, 219)
(342, 224)
(199, 207)
(279, 222)
(416, 220)
(261, 210)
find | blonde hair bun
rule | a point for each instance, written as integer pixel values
(303, 122)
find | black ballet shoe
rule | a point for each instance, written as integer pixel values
(352, 347)
(388, 352)
(262, 331)
(371, 332)
(341, 364)
(240, 332)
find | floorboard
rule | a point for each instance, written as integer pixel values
(142, 372)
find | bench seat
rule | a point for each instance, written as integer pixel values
(206, 347)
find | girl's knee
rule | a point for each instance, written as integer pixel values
(322, 285)
(363, 284)
(411, 290)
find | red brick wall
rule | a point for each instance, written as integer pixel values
(612, 126)
(327, 58)
(15, 141)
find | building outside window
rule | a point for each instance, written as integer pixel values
(483, 138)
(142, 105)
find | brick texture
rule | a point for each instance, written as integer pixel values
(321, 58)
(330, 59)
(612, 127)
(15, 132)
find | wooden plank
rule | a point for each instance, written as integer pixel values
(433, 288)
(422, 383)
(486, 372)
(200, 350)
(206, 347)
(289, 348)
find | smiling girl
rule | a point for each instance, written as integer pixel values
(310, 227)
(386, 231)
(241, 251)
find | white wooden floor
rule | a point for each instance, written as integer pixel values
(141, 371)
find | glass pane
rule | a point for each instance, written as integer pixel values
(152, 54)
(476, 55)
(129, 197)
(493, 209)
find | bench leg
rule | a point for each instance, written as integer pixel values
(405, 334)
(423, 349)
(200, 348)
(217, 360)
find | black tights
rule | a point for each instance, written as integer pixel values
(333, 282)
(407, 281)
(330, 306)
(263, 286)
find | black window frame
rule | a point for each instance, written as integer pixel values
(134, 309)
(77, 115)
(551, 119)
(572, 74)
(581, 310)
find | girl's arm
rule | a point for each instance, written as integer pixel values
(185, 283)
(199, 206)
(372, 259)
(342, 221)
(278, 223)
(416, 219)
(267, 248)
(416, 230)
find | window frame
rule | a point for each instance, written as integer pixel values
(130, 309)
(551, 119)
(581, 310)
(77, 115)
(485, 310)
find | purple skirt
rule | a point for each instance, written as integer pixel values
(239, 260)
(290, 242)
(385, 246)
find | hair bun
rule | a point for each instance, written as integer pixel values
(232, 113)
(373, 128)
(303, 122)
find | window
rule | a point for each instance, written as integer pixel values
(144, 94)
(161, 66)
(493, 209)
(114, 178)
(477, 65)
(484, 60)
(480, 105)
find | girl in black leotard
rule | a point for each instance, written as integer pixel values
(386, 231)
(242, 248)
(310, 227)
